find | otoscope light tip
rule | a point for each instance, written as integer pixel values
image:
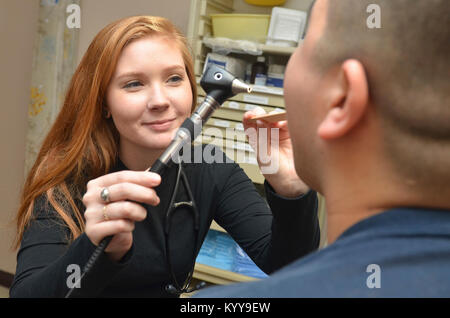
(238, 86)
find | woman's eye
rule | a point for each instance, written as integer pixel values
(175, 79)
(133, 84)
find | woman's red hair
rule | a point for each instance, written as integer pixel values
(82, 144)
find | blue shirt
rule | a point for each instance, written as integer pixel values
(402, 252)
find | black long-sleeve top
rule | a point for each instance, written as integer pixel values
(272, 236)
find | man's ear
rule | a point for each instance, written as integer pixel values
(348, 104)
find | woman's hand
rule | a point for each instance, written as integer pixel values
(117, 216)
(283, 178)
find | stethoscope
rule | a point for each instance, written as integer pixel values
(176, 287)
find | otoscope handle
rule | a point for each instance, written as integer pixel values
(158, 167)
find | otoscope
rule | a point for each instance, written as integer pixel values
(219, 85)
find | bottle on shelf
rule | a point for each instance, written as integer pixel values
(259, 71)
(248, 73)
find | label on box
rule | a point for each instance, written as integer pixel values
(256, 99)
(233, 105)
(221, 123)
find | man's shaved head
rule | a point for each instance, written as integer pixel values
(407, 62)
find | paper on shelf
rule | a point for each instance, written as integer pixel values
(226, 46)
(286, 26)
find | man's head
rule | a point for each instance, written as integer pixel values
(373, 94)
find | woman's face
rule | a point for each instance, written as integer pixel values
(149, 95)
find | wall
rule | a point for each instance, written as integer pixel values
(95, 14)
(18, 22)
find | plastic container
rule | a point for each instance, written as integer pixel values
(250, 27)
(259, 72)
(266, 2)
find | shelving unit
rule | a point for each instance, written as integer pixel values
(230, 115)
(219, 276)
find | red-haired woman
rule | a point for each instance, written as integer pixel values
(132, 90)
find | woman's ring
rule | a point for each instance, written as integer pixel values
(104, 195)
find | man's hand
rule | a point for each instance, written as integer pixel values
(284, 180)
